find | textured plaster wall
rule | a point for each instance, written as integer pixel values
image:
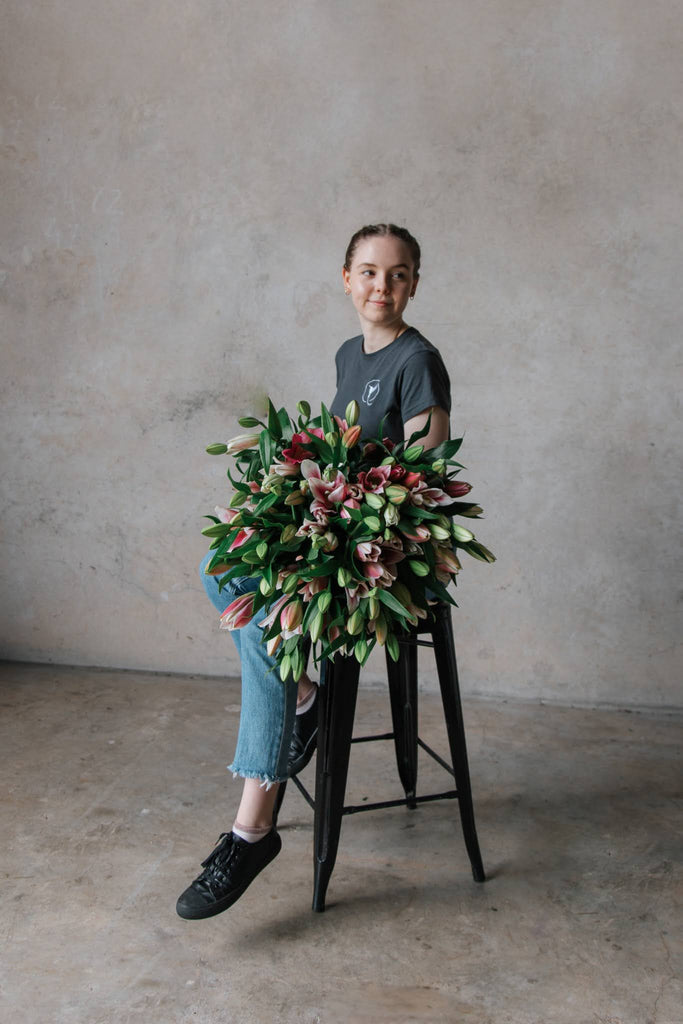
(179, 184)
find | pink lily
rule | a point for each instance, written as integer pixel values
(429, 497)
(242, 537)
(275, 610)
(375, 479)
(239, 612)
(226, 515)
(415, 532)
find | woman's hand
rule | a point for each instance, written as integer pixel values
(438, 428)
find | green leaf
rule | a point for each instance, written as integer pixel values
(391, 602)
(217, 530)
(445, 450)
(266, 450)
(274, 426)
(326, 420)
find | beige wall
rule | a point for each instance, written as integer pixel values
(179, 184)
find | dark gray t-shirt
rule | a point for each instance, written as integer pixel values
(399, 381)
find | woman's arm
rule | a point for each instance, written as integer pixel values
(438, 428)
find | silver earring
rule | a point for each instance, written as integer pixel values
(412, 297)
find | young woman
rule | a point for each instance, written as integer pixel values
(393, 372)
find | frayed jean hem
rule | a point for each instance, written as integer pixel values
(267, 781)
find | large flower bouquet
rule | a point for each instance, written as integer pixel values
(349, 539)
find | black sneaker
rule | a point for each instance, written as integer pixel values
(304, 739)
(228, 870)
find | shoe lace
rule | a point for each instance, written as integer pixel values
(217, 865)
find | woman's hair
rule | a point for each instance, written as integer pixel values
(371, 230)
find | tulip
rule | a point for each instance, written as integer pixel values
(239, 612)
(241, 442)
(292, 614)
(351, 437)
(352, 413)
(217, 449)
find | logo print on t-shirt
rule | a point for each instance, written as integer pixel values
(371, 391)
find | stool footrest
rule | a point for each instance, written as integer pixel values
(451, 794)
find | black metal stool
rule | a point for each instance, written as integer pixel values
(336, 707)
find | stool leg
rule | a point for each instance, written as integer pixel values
(336, 707)
(278, 801)
(402, 676)
(444, 651)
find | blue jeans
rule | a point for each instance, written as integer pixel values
(268, 704)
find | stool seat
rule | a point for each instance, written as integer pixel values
(336, 709)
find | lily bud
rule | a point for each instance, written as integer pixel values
(438, 532)
(389, 461)
(285, 667)
(461, 534)
(304, 409)
(448, 558)
(290, 584)
(238, 498)
(288, 534)
(316, 627)
(391, 515)
(219, 569)
(324, 601)
(439, 466)
(457, 488)
(273, 644)
(361, 649)
(392, 647)
(472, 512)
(396, 493)
(381, 629)
(351, 436)
(266, 588)
(413, 453)
(419, 568)
(332, 438)
(217, 449)
(241, 442)
(352, 413)
(372, 523)
(331, 542)
(292, 614)
(344, 576)
(373, 608)
(375, 501)
(354, 623)
(249, 421)
(295, 498)
(262, 550)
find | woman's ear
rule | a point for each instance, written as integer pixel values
(347, 281)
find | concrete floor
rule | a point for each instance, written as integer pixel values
(115, 788)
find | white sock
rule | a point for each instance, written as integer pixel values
(307, 701)
(249, 834)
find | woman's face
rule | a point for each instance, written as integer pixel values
(381, 280)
